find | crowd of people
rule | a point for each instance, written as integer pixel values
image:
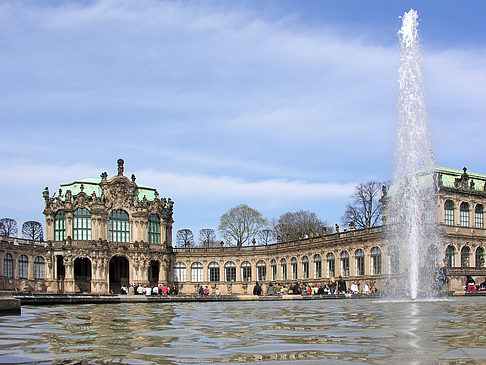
(149, 290)
(332, 287)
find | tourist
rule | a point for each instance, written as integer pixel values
(140, 290)
(354, 288)
(217, 292)
(257, 289)
(131, 290)
(148, 290)
(308, 289)
(174, 290)
(366, 289)
(271, 289)
(164, 290)
(206, 291)
(284, 290)
(341, 285)
(482, 286)
(155, 290)
(201, 291)
(470, 283)
(296, 289)
(123, 290)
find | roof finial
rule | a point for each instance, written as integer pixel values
(120, 167)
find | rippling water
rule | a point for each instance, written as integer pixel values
(327, 331)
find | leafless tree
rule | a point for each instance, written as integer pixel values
(241, 224)
(365, 210)
(207, 237)
(295, 225)
(185, 238)
(32, 230)
(266, 236)
(8, 227)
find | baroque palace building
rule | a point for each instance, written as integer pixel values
(103, 233)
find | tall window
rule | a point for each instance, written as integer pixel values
(179, 272)
(261, 270)
(283, 269)
(450, 256)
(23, 267)
(8, 265)
(213, 268)
(449, 213)
(119, 226)
(82, 224)
(59, 226)
(273, 266)
(317, 266)
(479, 216)
(375, 261)
(465, 252)
(464, 214)
(331, 265)
(479, 257)
(230, 271)
(39, 268)
(245, 271)
(305, 267)
(154, 229)
(345, 263)
(394, 260)
(293, 268)
(360, 262)
(196, 272)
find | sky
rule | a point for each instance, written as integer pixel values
(280, 105)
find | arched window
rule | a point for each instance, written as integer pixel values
(59, 226)
(283, 269)
(230, 271)
(119, 226)
(213, 268)
(465, 252)
(245, 271)
(449, 213)
(394, 260)
(479, 216)
(317, 266)
(450, 256)
(464, 219)
(479, 257)
(360, 262)
(293, 268)
(305, 267)
(273, 265)
(196, 272)
(23, 268)
(179, 272)
(39, 268)
(375, 261)
(154, 229)
(8, 266)
(82, 224)
(331, 265)
(345, 263)
(261, 270)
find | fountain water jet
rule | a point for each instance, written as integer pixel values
(412, 192)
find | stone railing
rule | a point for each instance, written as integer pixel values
(21, 241)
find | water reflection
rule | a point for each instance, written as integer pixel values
(339, 331)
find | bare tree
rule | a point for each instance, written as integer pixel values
(365, 210)
(8, 227)
(207, 237)
(241, 224)
(32, 230)
(266, 236)
(185, 238)
(295, 225)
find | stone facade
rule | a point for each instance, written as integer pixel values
(103, 233)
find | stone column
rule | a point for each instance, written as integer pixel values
(68, 224)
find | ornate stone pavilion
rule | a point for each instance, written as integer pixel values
(102, 233)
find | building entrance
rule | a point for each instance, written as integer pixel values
(119, 273)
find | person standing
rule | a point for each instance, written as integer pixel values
(341, 285)
(257, 289)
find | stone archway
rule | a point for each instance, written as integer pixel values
(119, 273)
(153, 273)
(82, 275)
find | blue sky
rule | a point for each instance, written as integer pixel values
(282, 105)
